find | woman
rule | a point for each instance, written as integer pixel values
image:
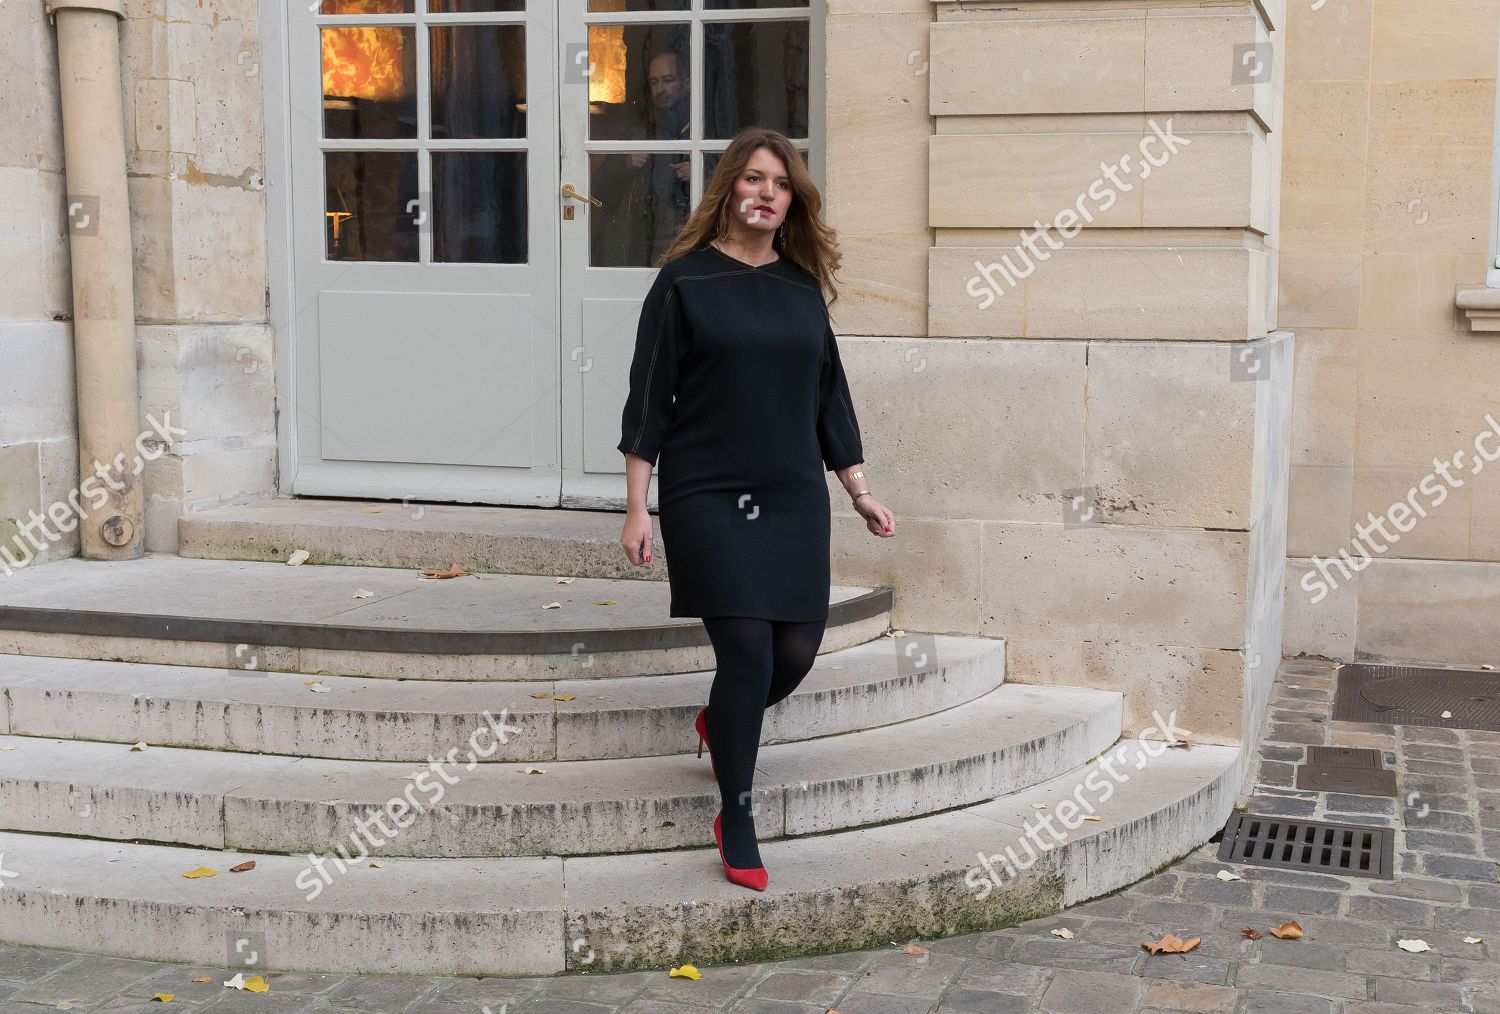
(737, 384)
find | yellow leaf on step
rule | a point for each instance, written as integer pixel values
(202, 871)
(542, 693)
(204, 978)
(686, 972)
(562, 697)
(606, 602)
(370, 510)
(163, 997)
(256, 984)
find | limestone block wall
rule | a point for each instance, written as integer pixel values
(1386, 211)
(1085, 443)
(38, 422)
(194, 158)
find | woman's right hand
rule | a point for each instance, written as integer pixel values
(636, 536)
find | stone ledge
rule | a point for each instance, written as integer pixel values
(1481, 304)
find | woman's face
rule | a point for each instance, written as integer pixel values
(763, 192)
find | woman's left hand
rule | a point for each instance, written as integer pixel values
(878, 519)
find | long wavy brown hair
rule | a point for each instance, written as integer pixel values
(804, 236)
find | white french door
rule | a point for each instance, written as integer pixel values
(479, 191)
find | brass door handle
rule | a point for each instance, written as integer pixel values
(568, 191)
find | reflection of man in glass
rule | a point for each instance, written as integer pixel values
(669, 176)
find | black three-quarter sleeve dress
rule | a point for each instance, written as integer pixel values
(737, 385)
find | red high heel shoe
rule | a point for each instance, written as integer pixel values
(701, 724)
(754, 878)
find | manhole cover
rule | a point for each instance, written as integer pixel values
(1345, 769)
(1412, 695)
(1350, 850)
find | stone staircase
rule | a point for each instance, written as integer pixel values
(447, 777)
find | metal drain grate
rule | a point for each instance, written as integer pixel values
(1289, 843)
(1345, 769)
(1414, 695)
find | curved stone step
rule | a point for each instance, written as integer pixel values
(861, 687)
(371, 533)
(853, 889)
(1009, 738)
(231, 614)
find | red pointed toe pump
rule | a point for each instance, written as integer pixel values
(754, 878)
(701, 724)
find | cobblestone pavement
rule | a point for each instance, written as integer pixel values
(1448, 838)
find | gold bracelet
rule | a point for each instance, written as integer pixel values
(863, 492)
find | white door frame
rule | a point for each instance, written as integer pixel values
(596, 480)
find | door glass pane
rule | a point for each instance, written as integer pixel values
(616, 6)
(645, 197)
(740, 5)
(479, 206)
(474, 6)
(368, 77)
(371, 210)
(478, 80)
(639, 83)
(756, 75)
(367, 7)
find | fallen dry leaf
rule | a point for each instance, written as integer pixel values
(315, 686)
(244, 867)
(1064, 932)
(1473, 940)
(138, 748)
(297, 558)
(1289, 930)
(1414, 946)
(202, 871)
(1252, 932)
(535, 771)
(686, 972)
(1171, 944)
(914, 949)
(163, 997)
(204, 978)
(375, 866)
(566, 580)
(454, 570)
(372, 510)
(364, 593)
(606, 602)
(1226, 876)
(553, 605)
(254, 984)
(1180, 744)
(1091, 817)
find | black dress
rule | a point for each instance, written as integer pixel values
(761, 409)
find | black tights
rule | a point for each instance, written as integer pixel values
(758, 663)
